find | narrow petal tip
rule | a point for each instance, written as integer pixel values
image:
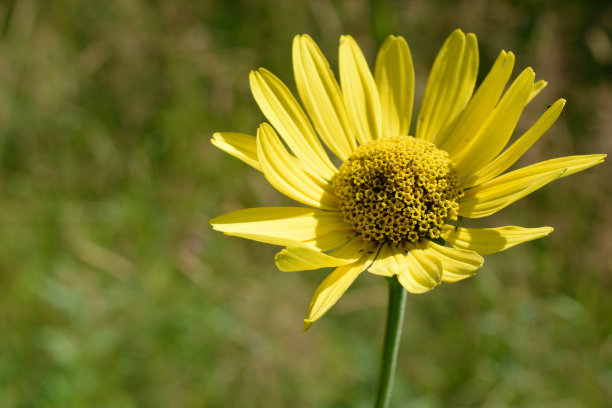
(307, 324)
(541, 84)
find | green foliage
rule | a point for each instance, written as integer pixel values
(115, 292)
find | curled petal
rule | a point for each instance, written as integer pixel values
(458, 264)
(422, 271)
(286, 115)
(388, 262)
(282, 170)
(537, 88)
(239, 145)
(417, 269)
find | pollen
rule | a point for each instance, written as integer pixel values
(398, 190)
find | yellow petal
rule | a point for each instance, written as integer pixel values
(322, 97)
(283, 172)
(291, 226)
(497, 129)
(471, 120)
(394, 76)
(359, 90)
(294, 259)
(490, 240)
(286, 115)
(450, 85)
(485, 201)
(502, 162)
(537, 88)
(332, 239)
(458, 264)
(420, 272)
(441, 263)
(333, 287)
(490, 197)
(388, 262)
(239, 145)
(417, 270)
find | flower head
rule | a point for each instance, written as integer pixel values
(395, 198)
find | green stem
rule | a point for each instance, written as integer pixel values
(393, 333)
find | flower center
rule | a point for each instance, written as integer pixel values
(398, 190)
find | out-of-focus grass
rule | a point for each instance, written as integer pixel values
(114, 291)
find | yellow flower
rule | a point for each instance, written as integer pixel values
(388, 201)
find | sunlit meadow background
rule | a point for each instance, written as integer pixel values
(114, 291)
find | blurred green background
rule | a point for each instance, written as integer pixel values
(114, 291)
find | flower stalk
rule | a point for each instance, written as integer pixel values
(393, 333)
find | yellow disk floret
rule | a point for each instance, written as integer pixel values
(398, 190)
